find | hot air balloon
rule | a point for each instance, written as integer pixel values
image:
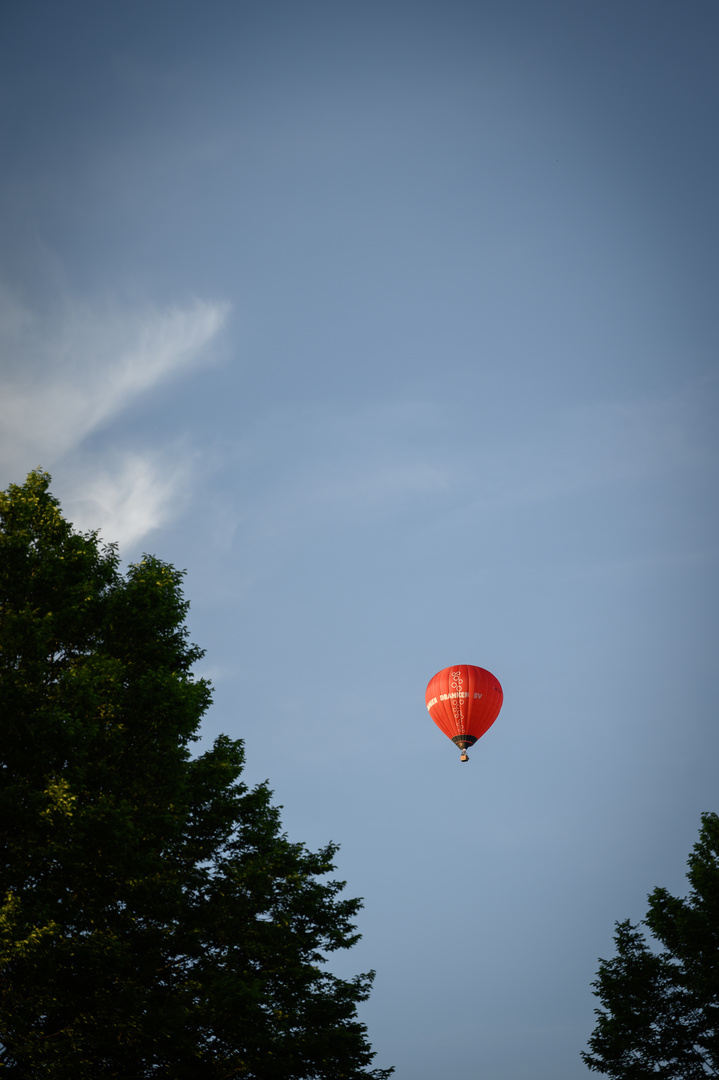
(464, 701)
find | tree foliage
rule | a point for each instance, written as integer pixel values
(154, 919)
(660, 1015)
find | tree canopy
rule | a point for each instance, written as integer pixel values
(155, 921)
(660, 1001)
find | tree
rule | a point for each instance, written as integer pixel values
(660, 1015)
(154, 919)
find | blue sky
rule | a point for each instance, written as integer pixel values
(395, 325)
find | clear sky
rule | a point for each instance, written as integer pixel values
(395, 324)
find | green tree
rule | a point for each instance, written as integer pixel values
(660, 1015)
(154, 919)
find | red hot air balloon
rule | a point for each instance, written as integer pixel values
(464, 701)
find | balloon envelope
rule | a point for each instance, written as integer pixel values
(464, 701)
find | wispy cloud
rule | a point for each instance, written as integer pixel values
(324, 464)
(606, 443)
(67, 372)
(393, 457)
(127, 497)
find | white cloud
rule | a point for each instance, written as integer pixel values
(127, 497)
(67, 373)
